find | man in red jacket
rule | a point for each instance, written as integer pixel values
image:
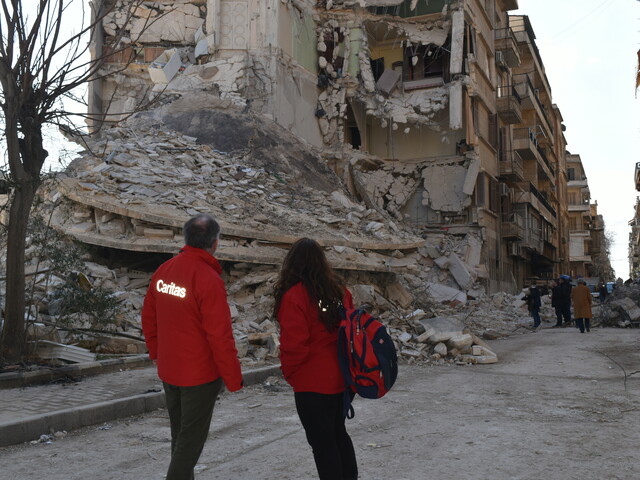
(187, 327)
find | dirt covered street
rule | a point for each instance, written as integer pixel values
(556, 406)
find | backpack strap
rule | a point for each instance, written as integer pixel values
(347, 407)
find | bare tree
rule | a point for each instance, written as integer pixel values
(44, 59)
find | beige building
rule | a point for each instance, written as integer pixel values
(634, 234)
(438, 113)
(588, 245)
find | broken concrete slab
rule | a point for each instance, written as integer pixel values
(442, 293)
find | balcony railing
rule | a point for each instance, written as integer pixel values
(542, 199)
(527, 90)
(530, 146)
(511, 164)
(507, 43)
(509, 105)
(513, 226)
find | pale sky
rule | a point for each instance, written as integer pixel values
(589, 51)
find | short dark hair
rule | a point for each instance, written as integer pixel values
(201, 231)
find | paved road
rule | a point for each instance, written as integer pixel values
(557, 406)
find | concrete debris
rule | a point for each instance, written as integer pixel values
(621, 308)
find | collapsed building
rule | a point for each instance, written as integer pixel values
(416, 140)
(436, 112)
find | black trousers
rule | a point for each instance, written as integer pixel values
(565, 310)
(323, 421)
(583, 323)
(190, 410)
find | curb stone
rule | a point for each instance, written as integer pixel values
(46, 375)
(27, 429)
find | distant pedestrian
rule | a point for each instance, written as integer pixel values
(564, 299)
(603, 292)
(555, 302)
(581, 296)
(534, 303)
(187, 327)
(308, 294)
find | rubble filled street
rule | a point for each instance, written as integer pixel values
(557, 406)
(417, 141)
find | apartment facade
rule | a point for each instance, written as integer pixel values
(438, 112)
(634, 234)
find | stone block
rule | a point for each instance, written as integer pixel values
(363, 294)
(440, 349)
(482, 359)
(461, 342)
(165, 67)
(442, 293)
(387, 82)
(461, 272)
(399, 295)
(630, 307)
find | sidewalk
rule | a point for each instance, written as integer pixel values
(75, 401)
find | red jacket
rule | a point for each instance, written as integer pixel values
(308, 352)
(187, 323)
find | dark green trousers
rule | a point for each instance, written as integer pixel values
(190, 410)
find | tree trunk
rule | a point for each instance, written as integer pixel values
(13, 344)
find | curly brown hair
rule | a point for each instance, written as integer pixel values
(306, 262)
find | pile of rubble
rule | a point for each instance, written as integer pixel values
(425, 329)
(621, 308)
(132, 189)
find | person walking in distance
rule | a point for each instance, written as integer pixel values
(564, 299)
(308, 294)
(555, 302)
(187, 327)
(534, 303)
(581, 296)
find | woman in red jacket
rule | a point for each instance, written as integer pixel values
(308, 294)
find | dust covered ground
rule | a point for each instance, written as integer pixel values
(559, 405)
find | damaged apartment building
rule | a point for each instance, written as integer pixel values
(437, 114)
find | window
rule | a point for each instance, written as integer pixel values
(573, 223)
(494, 201)
(426, 61)
(480, 190)
(573, 198)
(571, 173)
(493, 131)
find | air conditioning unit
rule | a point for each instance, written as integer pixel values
(500, 60)
(503, 189)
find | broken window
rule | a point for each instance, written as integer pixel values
(334, 53)
(377, 67)
(426, 61)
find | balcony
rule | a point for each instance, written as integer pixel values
(527, 194)
(509, 105)
(525, 142)
(530, 100)
(533, 241)
(579, 207)
(582, 183)
(507, 45)
(513, 226)
(511, 165)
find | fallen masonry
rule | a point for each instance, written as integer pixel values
(128, 194)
